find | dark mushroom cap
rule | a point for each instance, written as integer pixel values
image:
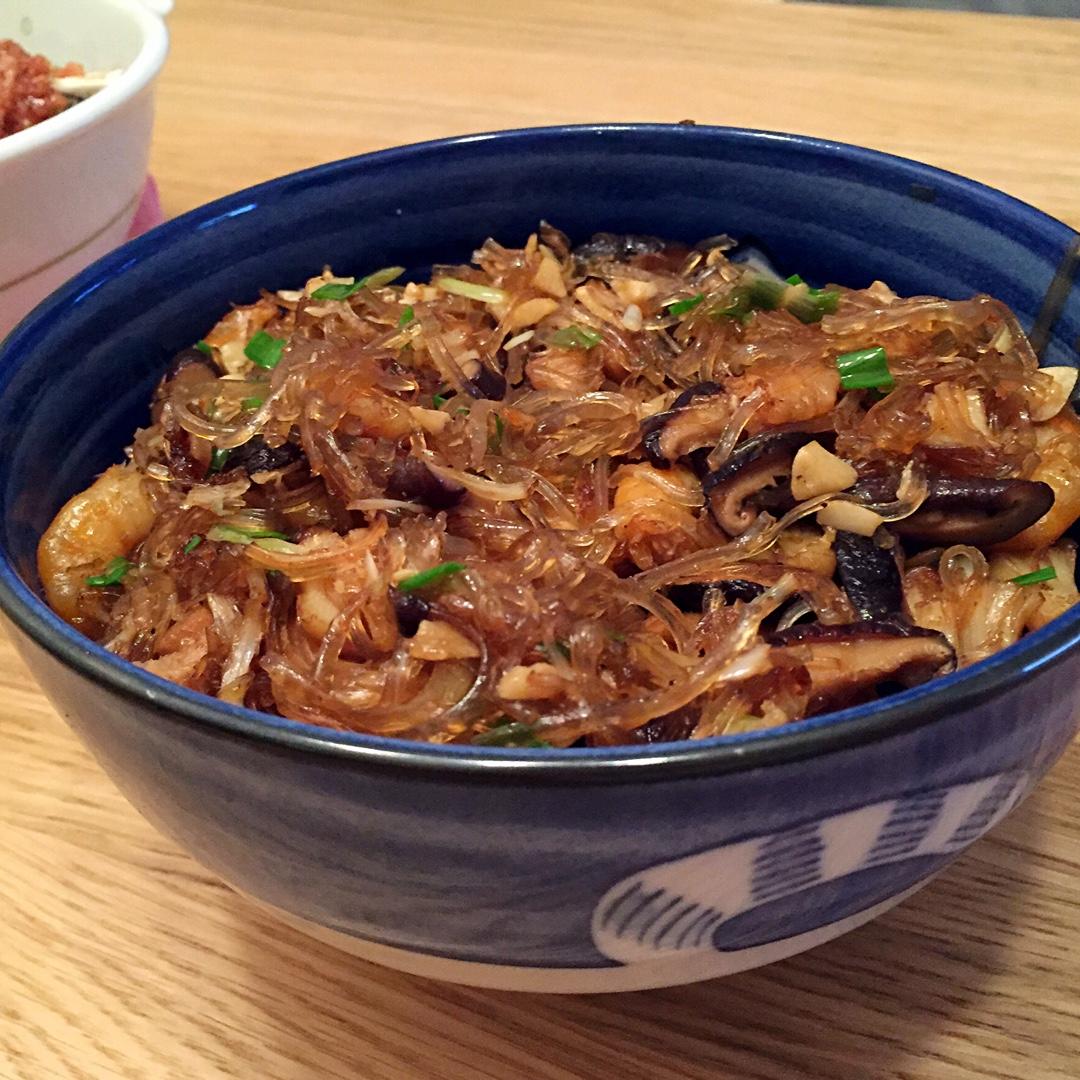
(647, 252)
(410, 610)
(412, 480)
(256, 455)
(755, 465)
(695, 419)
(869, 575)
(848, 661)
(189, 365)
(691, 597)
(968, 510)
(487, 384)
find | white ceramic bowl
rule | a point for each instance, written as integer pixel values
(70, 185)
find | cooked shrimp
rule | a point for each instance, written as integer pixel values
(962, 600)
(790, 391)
(573, 370)
(657, 513)
(235, 330)
(106, 520)
(182, 649)
(1058, 444)
(1049, 598)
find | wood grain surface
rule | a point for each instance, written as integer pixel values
(120, 957)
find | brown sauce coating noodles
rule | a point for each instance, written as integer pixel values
(624, 493)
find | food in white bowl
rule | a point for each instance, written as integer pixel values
(32, 89)
(72, 181)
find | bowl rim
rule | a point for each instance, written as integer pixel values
(830, 732)
(134, 78)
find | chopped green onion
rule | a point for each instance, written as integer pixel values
(495, 442)
(429, 577)
(276, 544)
(407, 317)
(204, 347)
(192, 544)
(251, 402)
(765, 293)
(865, 369)
(439, 400)
(616, 635)
(338, 290)
(681, 307)
(218, 457)
(811, 306)
(235, 534)
(114, 573)
(378, 278)
(762, 293)
(1044, 573)
(264, 350)
(513, 733)
(576, 337)
(738, 305)
(489, 294)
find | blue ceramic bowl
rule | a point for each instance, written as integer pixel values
(571, 870)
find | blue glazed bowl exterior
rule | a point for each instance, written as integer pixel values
(581, 870)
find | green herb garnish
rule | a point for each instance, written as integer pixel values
(681, 307)
(204, 347)
(439, 400)
(429, 577)
(758, 292)
(865, 369)
(488, 294)
(251, 402)
(495, 441)
(218, 457)
(576, 337)
(406, 317)
(765, 293)
(264, 350)
(737, 307)
(192, 544)
(512, 733)
(114, 573)
(1044, 573)
(338, 290)
(236, 534)
(810, 306)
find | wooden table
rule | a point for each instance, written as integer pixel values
(120, 957)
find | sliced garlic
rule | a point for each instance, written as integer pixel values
(633, 291)
(849, 517)
(436, 640)
(431, 420)
(817, 471)
(530, 312)
(548, 277)
(1051, 396)
(632, 319)
(527, 682)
